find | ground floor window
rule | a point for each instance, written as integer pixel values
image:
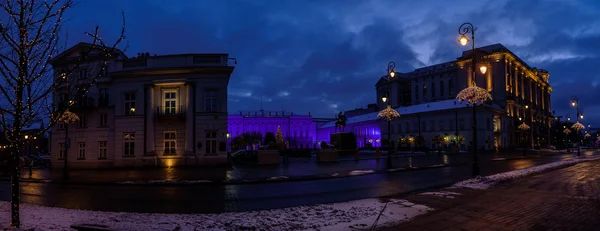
(170, 140)
(129, 144)
(102, 150)
(211, 142)
(81, 155)
(62, 152)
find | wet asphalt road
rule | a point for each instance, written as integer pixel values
(244, 197)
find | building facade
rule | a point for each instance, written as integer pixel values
(426, 101)
(520, 93)
(145, 111)
(298, 130)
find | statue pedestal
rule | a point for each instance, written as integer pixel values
(344, 142)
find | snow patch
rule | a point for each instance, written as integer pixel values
(278, 178)
(443, 194)
(335, 174)
(360, 172)
(364, 213)
(499, 159)
(485, 182)
(395, 169)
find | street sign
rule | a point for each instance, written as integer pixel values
(68, 143)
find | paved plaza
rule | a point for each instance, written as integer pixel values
(563, 199)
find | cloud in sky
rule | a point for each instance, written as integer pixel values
(325, 56)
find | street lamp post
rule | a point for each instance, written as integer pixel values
(387, 99)
(524, 127)
(473, 94)
(575, 103)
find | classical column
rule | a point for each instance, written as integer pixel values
(469, 78)
(516, 82)
(189, 131)
(522, 84)
(149, 136)
(543, 101)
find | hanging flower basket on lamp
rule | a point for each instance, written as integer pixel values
(68, 117)
(587, 135)
(577, 126)
(474, 95)
(388, 114)
(567, 131)
(523, 126)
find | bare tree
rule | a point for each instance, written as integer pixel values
(29, 40)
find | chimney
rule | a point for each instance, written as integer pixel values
(308, 113)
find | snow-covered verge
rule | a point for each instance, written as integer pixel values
(360, 172)
(485, 182)
(444, 194)
(166, 182)
(359, 214)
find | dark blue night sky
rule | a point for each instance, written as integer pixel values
(325, 56)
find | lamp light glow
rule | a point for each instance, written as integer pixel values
(483, 69)
(463, 40)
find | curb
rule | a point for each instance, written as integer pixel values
(238, 182)
(258, 181)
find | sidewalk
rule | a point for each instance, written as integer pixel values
(563, 199)
(295, 169)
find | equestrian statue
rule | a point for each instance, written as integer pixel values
(341, 122)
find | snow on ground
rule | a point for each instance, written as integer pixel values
(340, 216)
(360, 172)
(278, 178)
(395, 169)
(484, 182)
(444, 194)
(166, 182)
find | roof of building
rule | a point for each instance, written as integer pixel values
(407, 110)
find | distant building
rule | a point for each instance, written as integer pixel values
(298, 130)
(161, 110)
(425, 99)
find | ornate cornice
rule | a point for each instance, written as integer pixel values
(532, 73)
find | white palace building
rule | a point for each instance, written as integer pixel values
(145, 111)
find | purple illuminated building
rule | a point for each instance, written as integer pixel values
(298, 130)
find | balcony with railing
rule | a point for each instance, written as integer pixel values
(83, 103)
(177, 111)
(103, 101)
(146, 61)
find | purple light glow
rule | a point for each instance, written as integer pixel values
(300, 130)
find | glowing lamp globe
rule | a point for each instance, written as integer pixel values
(483, 69)
(463, 40)
(392, 74)
(384, 98)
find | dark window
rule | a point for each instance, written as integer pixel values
(129, 144)
(441, 88)
(211, 142)
(211, 100)
(103, 99)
